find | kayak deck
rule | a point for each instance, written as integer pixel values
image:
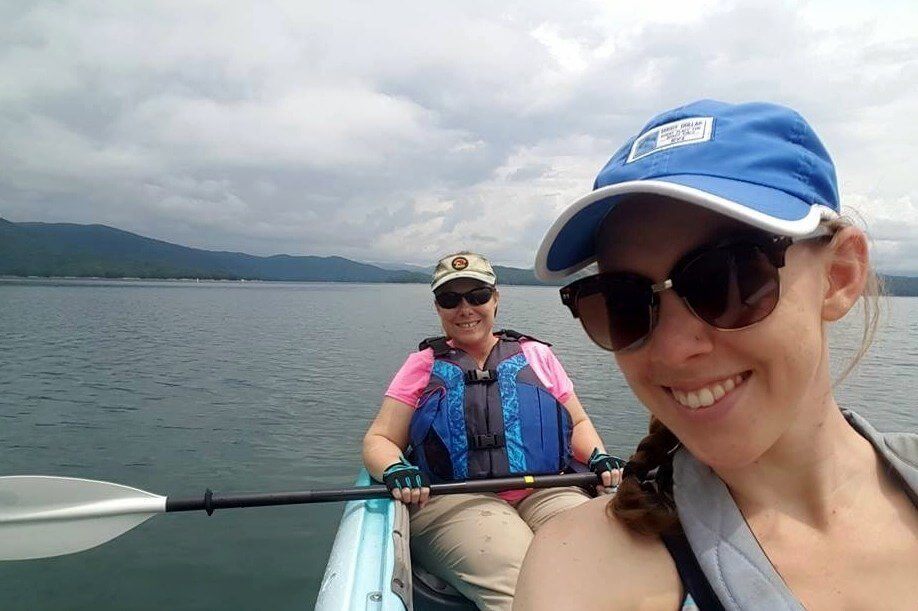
(370, 568)
(362, 563)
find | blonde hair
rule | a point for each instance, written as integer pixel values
(873, 299)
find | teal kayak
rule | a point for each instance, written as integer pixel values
(369, 567)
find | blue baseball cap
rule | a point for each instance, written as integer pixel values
(758, 163)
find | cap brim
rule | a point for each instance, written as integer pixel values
(569, 245)
(489, 280)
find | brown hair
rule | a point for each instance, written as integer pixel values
(644, 507)
(644, 501)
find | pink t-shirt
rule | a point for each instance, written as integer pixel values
(411, 380)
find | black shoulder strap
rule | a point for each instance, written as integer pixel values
(693, 579)
(439, 345)
(515, 336)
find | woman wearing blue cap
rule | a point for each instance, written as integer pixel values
(722, 259)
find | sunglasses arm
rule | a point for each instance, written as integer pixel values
(568, 299)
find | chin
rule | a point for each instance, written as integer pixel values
(472, 335)
(734, 453)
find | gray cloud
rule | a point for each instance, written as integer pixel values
(399, 131)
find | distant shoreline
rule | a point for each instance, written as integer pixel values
(127, 279)
(5, 277)
(73, 251)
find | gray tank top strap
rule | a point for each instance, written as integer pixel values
(727, 551)
(737, 569)
(899, 450)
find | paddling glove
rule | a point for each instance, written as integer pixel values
(404, 475)
(600, 462)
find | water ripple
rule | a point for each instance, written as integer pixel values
(176, 387)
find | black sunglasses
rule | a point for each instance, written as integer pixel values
(730, 284)
(475, 297)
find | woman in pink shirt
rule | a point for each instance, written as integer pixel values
(479, 404)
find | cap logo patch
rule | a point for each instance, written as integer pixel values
(460, 263)
(693, 130)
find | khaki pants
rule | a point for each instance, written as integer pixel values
(476, 542)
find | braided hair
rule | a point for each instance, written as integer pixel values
(644, 501)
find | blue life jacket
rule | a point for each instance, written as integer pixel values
(491, 422)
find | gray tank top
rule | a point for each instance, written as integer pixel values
(729, 554)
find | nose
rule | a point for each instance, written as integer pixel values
(679, 335)
(464, 307)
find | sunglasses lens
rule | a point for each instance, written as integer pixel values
(593, 316)
(617, 315)
(731, 287)
(630, 308)
(477, 297)
(448, 300)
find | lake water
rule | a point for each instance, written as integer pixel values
(174, 387)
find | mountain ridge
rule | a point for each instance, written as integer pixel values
(96, 250)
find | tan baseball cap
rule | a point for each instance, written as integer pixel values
(463, 265)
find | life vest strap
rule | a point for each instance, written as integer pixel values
(442, 348)
(517, 336)
(480, 376)
(487, 442)
(438, 344)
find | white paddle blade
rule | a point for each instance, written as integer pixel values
(43, 516)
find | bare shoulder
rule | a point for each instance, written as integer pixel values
(584, 559)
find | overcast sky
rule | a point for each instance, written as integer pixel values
(391, 131)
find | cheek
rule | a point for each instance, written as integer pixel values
(635, 370)
(792, 341)
(445, 317)
(785, 353)
(796, 324)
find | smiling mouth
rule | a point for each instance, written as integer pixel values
(467, 325)
(708, 395)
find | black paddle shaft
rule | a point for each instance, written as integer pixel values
(211, 502)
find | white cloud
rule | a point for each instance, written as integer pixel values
(399, 131)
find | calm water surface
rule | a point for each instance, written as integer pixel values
(173, 387)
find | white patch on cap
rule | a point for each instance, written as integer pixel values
(693, 130)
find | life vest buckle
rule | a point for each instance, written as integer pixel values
(480, 376)
(487, 441)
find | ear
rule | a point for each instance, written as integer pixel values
(847, 267)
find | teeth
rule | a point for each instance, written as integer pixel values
(707, 396)
(467, 325)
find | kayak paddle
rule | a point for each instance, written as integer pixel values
(43, 516)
